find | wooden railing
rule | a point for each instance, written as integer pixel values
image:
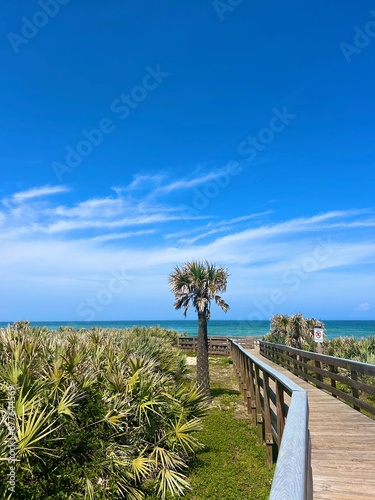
(216, 345)
(325, 371)
(279, 409)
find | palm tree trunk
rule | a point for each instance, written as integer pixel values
(203, 377)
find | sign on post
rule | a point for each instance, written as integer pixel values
(318, 334)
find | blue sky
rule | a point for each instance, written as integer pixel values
(138, 135)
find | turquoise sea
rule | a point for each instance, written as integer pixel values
(225, 328)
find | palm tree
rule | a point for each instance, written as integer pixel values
(298, 330)
(198, 283)
(280, 325)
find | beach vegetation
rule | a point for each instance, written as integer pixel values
(96, 413)
(294, 331)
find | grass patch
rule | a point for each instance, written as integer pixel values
(233, 465)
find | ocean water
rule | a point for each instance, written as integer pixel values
(225, 328)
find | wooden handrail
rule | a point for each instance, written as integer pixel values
(283, 426)
(216, 344)
(324, 371)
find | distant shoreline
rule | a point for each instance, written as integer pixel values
(258, 328)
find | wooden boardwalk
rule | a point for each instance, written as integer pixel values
(343, 444)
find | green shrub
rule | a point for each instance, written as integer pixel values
(98, 413)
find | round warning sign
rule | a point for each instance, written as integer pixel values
(318, 335)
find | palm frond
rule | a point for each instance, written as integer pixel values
(30, 395)
(34, 427)
(221, 303)
(180, 434)
(68, 400)
(142, 467)
(198, 283)
(166, 459)
(173, 482)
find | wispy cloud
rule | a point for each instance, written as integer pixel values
(120, 236)
(190, 241)
(105, 207)
(160, 184)
(246, 217)
(56, 241)
(189, 183)
(38, 192)
(364, 307)
(214, 227)
(24, 213)
(142, 181)
(295, 226)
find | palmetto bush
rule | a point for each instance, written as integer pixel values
(98, 413)
(295, 331)
(362, 349)
(355, 349)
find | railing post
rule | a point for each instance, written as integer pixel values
(258, 405)
(280, 411)
(273, 353)
(332, 369)
(355, 391)
(243, 376)
(318, 376)
(267, 419)
(295, 356)
(239, 373)
(252, 393)
(248, 384)
(305, 369)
